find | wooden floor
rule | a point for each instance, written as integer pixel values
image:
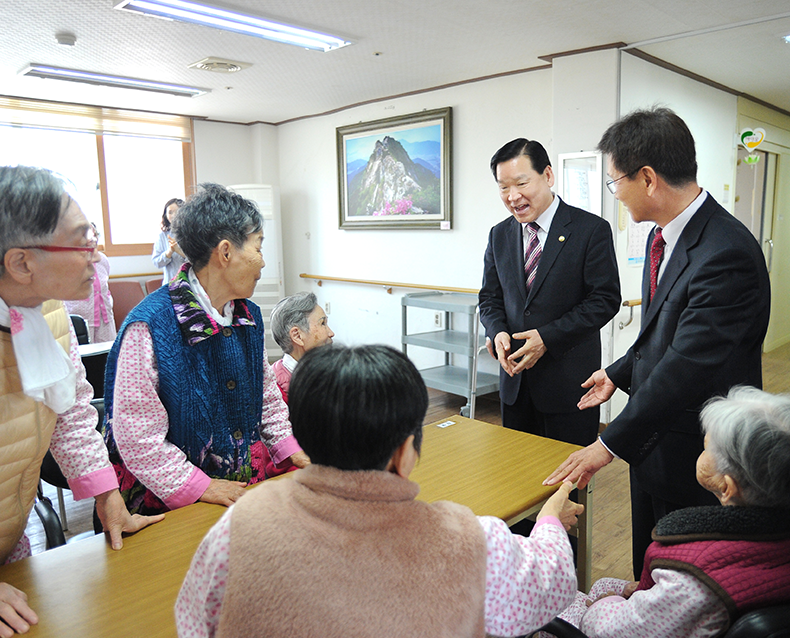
(612, 511)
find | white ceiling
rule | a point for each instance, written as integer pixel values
(421, 44)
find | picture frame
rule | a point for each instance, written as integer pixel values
(396, 172)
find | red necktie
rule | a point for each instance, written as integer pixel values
(656, 253)
(532, 253)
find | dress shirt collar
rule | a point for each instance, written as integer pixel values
(674, 229)
(289, 362)
(544, 221)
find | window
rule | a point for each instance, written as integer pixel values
(122, 166)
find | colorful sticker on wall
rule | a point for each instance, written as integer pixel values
(751, 159)
(751, 138)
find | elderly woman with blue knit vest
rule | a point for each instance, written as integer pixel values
(709, 565)
(189, 394)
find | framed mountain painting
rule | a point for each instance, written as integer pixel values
(396, 172)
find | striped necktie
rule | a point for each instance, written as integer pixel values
(532, 253)
(656, 253)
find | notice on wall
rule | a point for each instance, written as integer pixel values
(637, 241)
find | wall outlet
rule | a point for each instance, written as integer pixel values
(437, 319)
(327, 308)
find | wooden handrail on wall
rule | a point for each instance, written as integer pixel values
(139, 274)
(630, 304)
(388, 285)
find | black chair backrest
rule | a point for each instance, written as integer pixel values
(81, 328)
(771, 622)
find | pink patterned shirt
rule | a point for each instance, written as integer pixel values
(528, 580)
(78, 447)
(140, 424)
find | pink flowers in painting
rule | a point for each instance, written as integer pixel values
(398, 207)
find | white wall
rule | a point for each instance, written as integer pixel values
(485, 115)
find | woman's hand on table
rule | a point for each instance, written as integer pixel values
(15, 614)
(223, 492)
(116, 520)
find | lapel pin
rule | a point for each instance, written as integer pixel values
(562, 237)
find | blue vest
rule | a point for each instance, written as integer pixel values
(212, 391)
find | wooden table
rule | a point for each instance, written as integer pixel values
(498, 472)
(88, 590)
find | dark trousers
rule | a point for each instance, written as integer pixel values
(646, 511)
(579, 427)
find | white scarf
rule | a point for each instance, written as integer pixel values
(224, 319)
(46, 371)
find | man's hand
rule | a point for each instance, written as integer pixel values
(490, 348)
(581, 466)
(14, 612)
(115, 518)
(532, 350)
(502, 347)
(223, 492)
(561, 507)
(300, 459)
(601, 390)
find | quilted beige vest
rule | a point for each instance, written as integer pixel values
(25, 430)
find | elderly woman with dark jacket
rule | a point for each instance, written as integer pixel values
(190, 397)
(709, 565)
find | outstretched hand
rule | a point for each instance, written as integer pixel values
(561, 507)
(582, 465)
(116, 520)
(601, 390)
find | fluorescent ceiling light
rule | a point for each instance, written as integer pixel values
(101, 79)
(229, 20)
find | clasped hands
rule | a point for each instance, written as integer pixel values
(523, 358)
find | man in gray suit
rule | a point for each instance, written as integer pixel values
(705, 307)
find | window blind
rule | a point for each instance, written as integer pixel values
(16, 111)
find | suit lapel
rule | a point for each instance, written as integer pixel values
(677, 262)
(560, 227)
(515, 253)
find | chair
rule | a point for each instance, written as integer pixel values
(49, 520)
(771, 622)
(81, 329)
(125, 296)
(152, 284)
(51, 473)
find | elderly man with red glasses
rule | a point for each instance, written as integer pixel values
(48, 252)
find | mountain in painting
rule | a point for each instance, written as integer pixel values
(393, 184)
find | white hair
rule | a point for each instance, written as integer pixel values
(749, 439)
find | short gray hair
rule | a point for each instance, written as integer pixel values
(749, 434)
(289, 312)
(31, 203)
(212, 214)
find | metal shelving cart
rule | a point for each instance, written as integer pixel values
(464, 381)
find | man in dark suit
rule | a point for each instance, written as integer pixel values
(705, 307)
(550, 283)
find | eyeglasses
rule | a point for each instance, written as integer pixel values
(91, 238)
(610, 183)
